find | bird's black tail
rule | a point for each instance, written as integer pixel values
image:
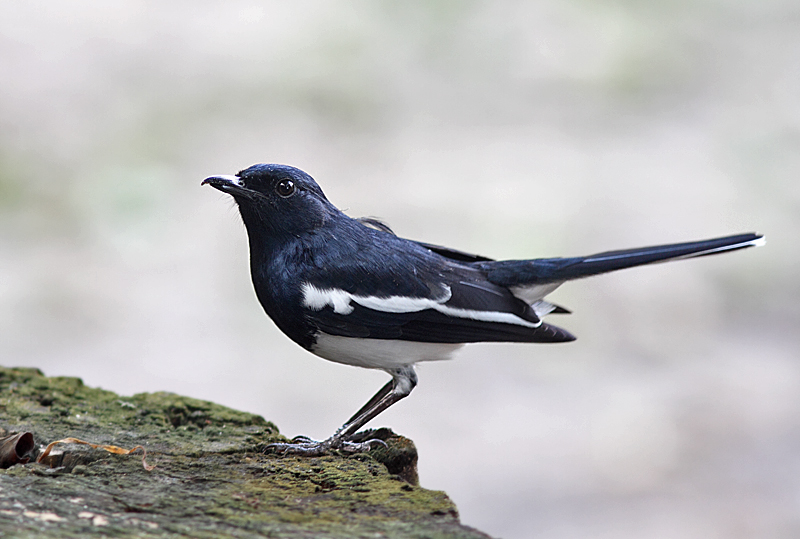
(555, 270)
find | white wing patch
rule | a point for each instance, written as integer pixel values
(402, 304)
(317, 299)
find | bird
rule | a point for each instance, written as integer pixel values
(351, 291)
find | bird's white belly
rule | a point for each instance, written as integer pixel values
(380, 353)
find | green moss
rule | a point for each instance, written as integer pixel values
(211, 479)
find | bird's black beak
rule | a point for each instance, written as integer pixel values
(227, 184)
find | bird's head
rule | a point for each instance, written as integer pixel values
(276, 198)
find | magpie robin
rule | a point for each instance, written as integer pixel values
(350, 291)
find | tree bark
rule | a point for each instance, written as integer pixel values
(211, 477)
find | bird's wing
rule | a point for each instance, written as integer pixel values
(448, 303)
(454, 254)
(446, 252)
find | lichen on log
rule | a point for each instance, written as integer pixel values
(212, 478)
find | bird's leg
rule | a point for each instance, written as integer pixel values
(376, 398)
(403, 381)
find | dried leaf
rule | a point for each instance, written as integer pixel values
(110, 448)
(14, 447)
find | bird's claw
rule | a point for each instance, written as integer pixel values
(360, 447)
(305, 446)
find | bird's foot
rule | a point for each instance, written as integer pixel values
(303, 445)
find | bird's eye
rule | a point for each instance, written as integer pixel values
(285, 188)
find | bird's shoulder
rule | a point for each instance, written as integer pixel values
(369, 262)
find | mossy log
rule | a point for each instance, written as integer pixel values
(211, 476)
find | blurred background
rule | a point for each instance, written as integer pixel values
(509, 128)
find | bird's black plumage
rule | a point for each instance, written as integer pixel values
(303, 239)
(352, 291)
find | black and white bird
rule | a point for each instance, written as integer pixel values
(351, 291)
